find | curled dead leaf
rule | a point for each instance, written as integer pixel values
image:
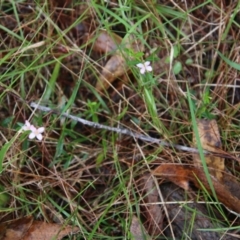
(137, 230)
(152, 210)
(44, 231)
(117, 65)
(228, 194)
(105, 42)
(114, 68)
(27, 229)
(15, 229)
(179, 214)
(210, 140)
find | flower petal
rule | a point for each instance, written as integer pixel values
(39, 136)
(149, 68)
(25, 128)
(147, 63)
(32, 135)
(140, 65)
(32, 128)
(41, 130)
(27, 123)
(142, 71)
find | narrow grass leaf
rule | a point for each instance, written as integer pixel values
(51, 84)
(229, 62)
(5, 149)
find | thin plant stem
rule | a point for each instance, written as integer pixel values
(124, 131)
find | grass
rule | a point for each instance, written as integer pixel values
(89, 177)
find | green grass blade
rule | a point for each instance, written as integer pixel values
(51, 84)
(229, 62)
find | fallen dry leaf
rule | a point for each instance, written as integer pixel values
(116, 65)
(152, 210)
(210, 141)
(105, 42)
(27, 229)
(137, 230)
(179, 214)
(15, 229)
(174, 173)
(228, 194)
(114, 68)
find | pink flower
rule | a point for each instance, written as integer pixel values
(27, 126)
(35, 132)
(144, 67)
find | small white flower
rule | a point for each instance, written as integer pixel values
(37, 132)
(27, 126)
(144, 67)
